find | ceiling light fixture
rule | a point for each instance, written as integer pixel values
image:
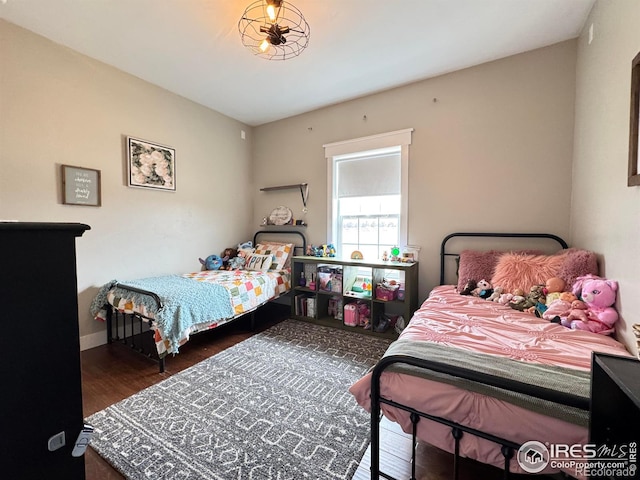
(274, 29)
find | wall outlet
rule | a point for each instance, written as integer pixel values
(56, 442)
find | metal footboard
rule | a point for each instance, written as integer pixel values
(121, 328)
(507, 447)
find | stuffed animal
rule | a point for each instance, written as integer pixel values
(495, 296)
(505, 298)
(212, 262)
(517, 298)
(239, 261)
(469, 287)
(227, 255)
(246, 246)
(483, 289)
(553, 288)
(534, 296)
(559, 308)
(599, 296)
(364, 314)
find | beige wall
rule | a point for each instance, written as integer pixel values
(60, 107)
(492, 150)
(605, 213)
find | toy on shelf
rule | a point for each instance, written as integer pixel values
(327, 250)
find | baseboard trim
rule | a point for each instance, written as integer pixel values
(93, 340)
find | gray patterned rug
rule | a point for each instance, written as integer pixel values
(275, 406)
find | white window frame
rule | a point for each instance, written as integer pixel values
(380, 142)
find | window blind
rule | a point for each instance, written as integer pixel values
(369, 176)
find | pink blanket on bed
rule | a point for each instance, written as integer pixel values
(477, 325)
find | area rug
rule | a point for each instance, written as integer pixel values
(275, 406)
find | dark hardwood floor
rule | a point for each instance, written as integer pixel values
(111, 373)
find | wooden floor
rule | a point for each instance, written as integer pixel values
(111, 373)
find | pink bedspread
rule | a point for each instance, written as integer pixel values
(477, 325)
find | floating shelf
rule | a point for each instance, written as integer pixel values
(268, 226)
(304, 191)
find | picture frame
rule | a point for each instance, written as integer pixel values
(81, 186)
(150, 165)
(634, 176)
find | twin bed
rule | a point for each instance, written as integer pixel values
(480, 379)
(155, 316)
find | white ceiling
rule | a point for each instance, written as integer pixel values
(357, 47)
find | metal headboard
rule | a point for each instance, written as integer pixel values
(284, 232)
(444, 253)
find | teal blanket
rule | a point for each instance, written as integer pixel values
(186, 302)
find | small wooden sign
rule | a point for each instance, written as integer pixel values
(80, 186)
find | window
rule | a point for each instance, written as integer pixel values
(368, 180)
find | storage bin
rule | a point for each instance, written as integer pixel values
(324, 281)
(334, 308)
(401, 292)
(336, 282)
(351, 316)
(385, 293)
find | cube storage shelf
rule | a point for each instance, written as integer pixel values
(328, 286)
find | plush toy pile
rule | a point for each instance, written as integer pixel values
(587, 305)
(231, 258)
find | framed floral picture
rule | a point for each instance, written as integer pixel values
(151, 165)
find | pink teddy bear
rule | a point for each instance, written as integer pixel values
(599, 295)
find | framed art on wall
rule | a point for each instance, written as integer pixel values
(150, 165)
(80, 186)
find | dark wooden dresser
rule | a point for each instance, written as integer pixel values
(41, 399)
(615, 414)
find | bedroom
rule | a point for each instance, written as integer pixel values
(564, 171)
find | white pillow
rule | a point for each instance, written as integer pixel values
(259, 263)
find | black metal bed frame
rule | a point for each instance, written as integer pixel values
(142, 341)
(507, 447)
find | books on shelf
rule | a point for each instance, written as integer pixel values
(305, 306)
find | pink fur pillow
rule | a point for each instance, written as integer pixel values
(476, 265)
(577, 263)
(518, 270)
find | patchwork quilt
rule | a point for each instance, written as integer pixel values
(242, 291)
